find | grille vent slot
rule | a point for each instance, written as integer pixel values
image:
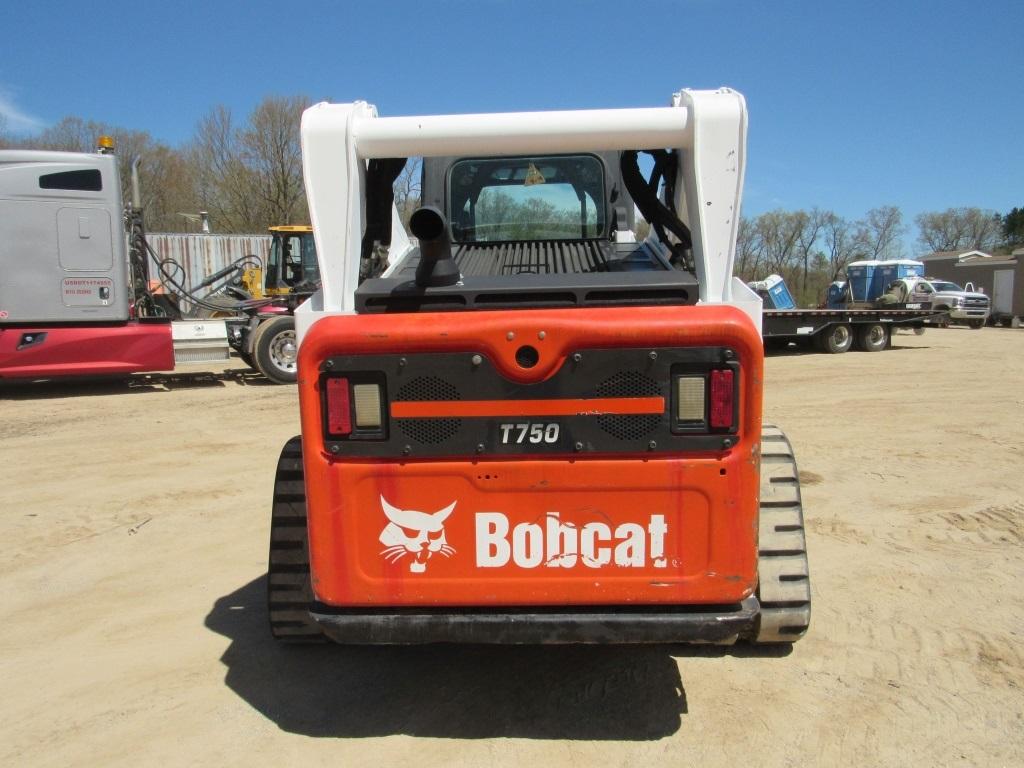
(629, 384)
(424, 388)
(431, 431)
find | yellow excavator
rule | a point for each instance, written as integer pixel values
(290, 266)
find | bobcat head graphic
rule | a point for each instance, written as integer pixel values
(419, 534)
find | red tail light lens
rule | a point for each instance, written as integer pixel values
(722, 399)
(339, 410)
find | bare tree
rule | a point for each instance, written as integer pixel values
(880, 232)
(272, 153)
(814, 222)
(250, 177)
(168, 188)
(408, 189)
(748, 249)
(225, 184)
(840, 244)
(958, 229)
(779, 233)
(983, 228)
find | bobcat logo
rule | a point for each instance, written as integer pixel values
(409, 532)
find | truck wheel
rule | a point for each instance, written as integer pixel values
(836, 339)
(289, 587)
(976, 324)
(276, 351)
(784, 583)
(873, 337)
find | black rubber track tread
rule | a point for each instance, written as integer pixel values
(784, 588)
(289, 591)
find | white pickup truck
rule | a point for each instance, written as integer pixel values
(966, 307)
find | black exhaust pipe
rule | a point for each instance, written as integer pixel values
(436, 267)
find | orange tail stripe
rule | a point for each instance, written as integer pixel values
(597, 406)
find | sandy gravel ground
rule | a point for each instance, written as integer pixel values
(133, 530)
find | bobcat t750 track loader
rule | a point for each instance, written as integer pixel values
(525, 426)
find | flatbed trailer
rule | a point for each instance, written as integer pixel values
(836, 330)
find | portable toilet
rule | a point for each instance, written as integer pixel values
(773, 292)
(836, 297)
(887, 272)
(909, 268)
(781, 298)
(860, 275)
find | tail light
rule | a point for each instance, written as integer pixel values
(722, 401)
(353, 407)
(705, 400)
(339, 407)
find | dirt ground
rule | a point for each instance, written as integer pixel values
(133, 533)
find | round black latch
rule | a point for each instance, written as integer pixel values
(527, 356)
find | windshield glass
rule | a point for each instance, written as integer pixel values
(527, 198)
(310, 266)
(941, 286)
(292, 260)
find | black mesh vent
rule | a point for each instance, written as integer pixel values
(629, 427)
(629, 384)
(425, 388)
(431, 431)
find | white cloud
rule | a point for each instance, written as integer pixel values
(15, 119)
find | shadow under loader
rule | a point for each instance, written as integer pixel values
(450, 691)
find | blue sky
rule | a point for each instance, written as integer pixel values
(852, 104)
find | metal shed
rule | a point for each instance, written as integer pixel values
(200, 255)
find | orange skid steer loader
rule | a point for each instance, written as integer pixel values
(525, 426)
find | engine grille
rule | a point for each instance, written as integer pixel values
(628, 384)
(426, 388)
(428, 431)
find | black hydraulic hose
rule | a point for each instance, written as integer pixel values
(167, 278)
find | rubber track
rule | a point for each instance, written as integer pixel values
(289, 591)
(784, 584)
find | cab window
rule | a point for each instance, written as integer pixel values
(526, 198)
